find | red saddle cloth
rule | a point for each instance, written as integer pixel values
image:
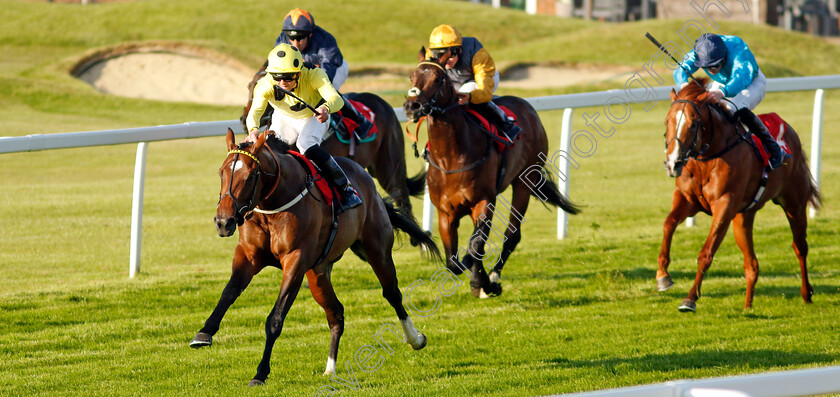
(502, 141)
(364, 111)
(776, 125)
(320, 182)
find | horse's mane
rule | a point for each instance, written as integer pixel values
(273, 143)
(694, 90)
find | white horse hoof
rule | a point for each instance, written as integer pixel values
(420, 342)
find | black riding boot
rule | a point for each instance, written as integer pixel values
(755, 126)
(497, 116)
(352, 113)
(330, 168)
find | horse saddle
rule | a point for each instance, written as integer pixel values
(502, 141)
(345, 129)
(776, 125)
(330, 195)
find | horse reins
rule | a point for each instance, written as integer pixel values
(687, 155)
(243, 209)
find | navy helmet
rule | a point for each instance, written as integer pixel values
(298, 22)
(709, 50)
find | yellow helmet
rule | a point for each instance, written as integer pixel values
(444, 36)
(284, 58)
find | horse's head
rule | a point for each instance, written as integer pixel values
(431, 91)
(685, 127)
(241, 185)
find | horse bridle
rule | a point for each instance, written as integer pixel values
(686, 155)
(430, 107)
(245, 208)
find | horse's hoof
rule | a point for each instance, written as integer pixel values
(256, 382)
(664, 283)
(491, 291)
(688, 305)
(477, 292)
(495, 277)
(201, 339)
(421, 344)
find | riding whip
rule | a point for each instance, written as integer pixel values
(663, 49)
(289, 93)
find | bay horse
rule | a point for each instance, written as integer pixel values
(719, 173)
(293, 229)
(383, 157)
(468, 173)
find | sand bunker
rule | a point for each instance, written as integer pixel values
(201, 76)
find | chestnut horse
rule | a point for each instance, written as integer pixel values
(717, 172)
(383, 157)
(468, 172)
(292, 229)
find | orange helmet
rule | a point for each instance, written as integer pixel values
(445, 36)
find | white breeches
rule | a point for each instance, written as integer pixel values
(303, 133)
(749, 97)
(341, 75)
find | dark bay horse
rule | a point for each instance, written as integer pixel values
(383, 157)
(291, 228)
(468, 173)
(719, 173)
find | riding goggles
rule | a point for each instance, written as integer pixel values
(284, 76)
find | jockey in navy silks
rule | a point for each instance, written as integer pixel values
(738, 84)
(319, 48)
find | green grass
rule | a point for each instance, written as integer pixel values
(577, 314)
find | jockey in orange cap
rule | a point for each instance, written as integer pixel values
(320, 48)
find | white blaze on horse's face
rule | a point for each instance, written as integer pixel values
(674, 154)
(414, 92)
(237, 165)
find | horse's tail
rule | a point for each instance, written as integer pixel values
(814, 195)
(416, 184)
(548, 192)
(406, 223)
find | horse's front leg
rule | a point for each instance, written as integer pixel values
(241, 275)
(722, 214)
(480, 284)
(448, 229)
(292, 279)
(743, 230)
(323, 292)
(680, 209)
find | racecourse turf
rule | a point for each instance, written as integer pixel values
(576, 314)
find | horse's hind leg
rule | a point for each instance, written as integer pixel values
(241, 275)
(379, 257)
(742, 227)
(798, 220)
(322, 291)
(520, 198)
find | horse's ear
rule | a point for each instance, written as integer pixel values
(231, 140)
(702, 97)
(260, 141)
(673, 95)
(421, 55)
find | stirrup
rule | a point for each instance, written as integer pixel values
(349, 199)
(512, 132)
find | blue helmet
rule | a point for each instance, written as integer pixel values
(709, 49)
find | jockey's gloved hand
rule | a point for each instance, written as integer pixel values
(463, 98)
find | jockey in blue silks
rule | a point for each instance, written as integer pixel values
(738, 84)
(319, 48)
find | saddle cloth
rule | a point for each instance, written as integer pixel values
(320, 182)
(776, 125)
(349, 126)
(502, 141)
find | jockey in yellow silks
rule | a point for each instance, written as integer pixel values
(293, 122)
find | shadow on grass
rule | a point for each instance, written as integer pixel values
(758, 359)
